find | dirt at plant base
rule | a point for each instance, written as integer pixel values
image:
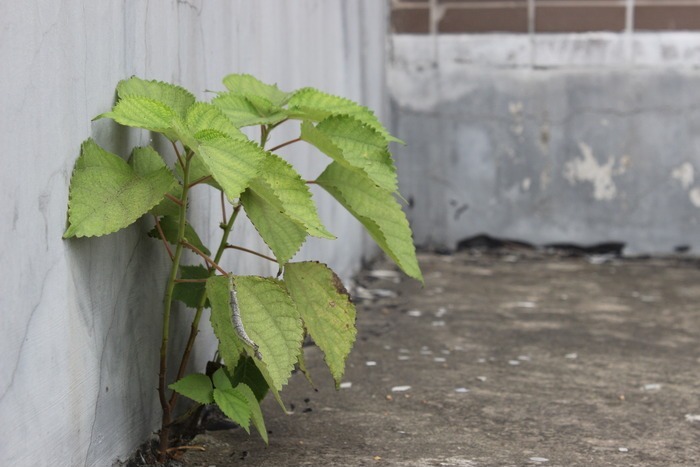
(510, 359)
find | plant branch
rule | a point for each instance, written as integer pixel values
(200, 180)
(174, 199)
(278, 124)
(311, 182)
(264, 133)
(252, 252)
(162, 237)
(223, 208)
(280, 146)
(179, 157)
(194, 328)
(167, 306)
(204, 256)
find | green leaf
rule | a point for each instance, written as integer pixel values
(377, 210)
(272, 321)
(247, 85)
(190, 293)
(255, 412)
(283, 235)
(146, 160)
(361, 146)
(143, 112)
(279, 205)
(106, 194)
(207, 122)
(234, 404)
(198, 170)
(312, 104)
(230, 346)
(221, 379)
(175, 97)
(170, 226)
(293, 195)
(247, 111)
(304, 369)
(326, 310)
(232, 163)
(195, 386)
(247, 372)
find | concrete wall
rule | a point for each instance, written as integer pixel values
(81, 318)
(582, 138)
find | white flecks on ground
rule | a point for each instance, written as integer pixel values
(622, 449)
(414, 313)
(571, 356)
(481, 360)
(361, 292)
(438, 323)
(462, 390)
(514, 362)
(403, 358)
(426, 351)
(522, 305)
(651, 387)
(539, 459)
(481, 378)
(525, 184)
(400, 388)
(442, 311)
(692, 418)
(511, 258)
(404, 351)
(384, 274)
(439, 359)
(371, 363)
(445, 352)
(383, 293)
(346, 385)
(601, 259)
(649, 298)
(387, 347)
(524, 358)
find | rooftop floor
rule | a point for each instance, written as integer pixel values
(508, 358)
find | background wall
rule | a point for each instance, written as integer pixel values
(81, 318)
(566, 121)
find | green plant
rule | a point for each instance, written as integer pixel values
(260, 322)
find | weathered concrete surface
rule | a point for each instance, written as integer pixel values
(570, 138)
(559, 359)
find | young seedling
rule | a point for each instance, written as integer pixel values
(260, 322)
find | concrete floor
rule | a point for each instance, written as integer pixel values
(511, 358)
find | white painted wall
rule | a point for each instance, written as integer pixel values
(81, 318)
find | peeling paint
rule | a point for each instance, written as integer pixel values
(694, 196)
(685, 174)
(587, 169)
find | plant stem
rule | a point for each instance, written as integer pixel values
(167, 305)
(179, 157)
(204, 256)
(252, 252)
(284, 144)
(162, 237)
(200, 180)
(194, 329)
(174, 199)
